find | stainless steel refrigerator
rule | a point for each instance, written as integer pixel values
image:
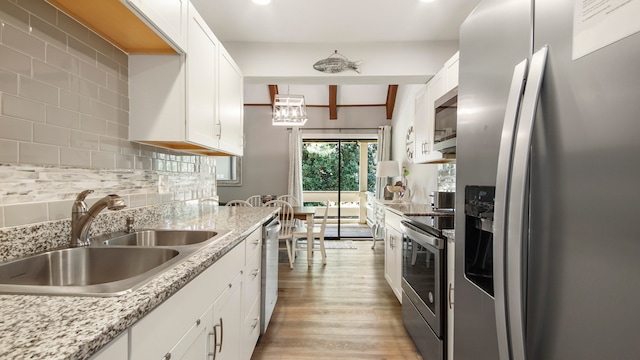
(548, 181)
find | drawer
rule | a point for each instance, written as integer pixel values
(251, 328)
(252, 282)
(392, 219)
(253, 244)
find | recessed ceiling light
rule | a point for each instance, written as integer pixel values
(427, 1)
(261, 2)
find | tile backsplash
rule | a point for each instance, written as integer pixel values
(447, 177)
(64, 124)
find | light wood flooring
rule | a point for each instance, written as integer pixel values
(343, 310)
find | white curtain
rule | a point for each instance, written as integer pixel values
(384, 153)
(295, 164)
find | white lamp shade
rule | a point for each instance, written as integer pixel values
(389, 168)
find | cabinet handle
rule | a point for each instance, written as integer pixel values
(256, 242)
(215, 344)
(167, 356)
(255, 272)
(450, 296)
(255, 323)
(198, 322)
(215, 339)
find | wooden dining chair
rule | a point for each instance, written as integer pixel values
(318, 233)
(286, 231)
(255, 200)
(290, 199)
(238, 203)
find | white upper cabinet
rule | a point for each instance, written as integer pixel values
(451, 72)
(190, 102)
(168, 17)
(202, 83)
(230, 104)
(423, 124)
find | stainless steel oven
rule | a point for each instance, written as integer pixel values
(423, 287)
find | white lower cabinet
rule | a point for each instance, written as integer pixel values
(208, 315)
(393, 253)
(117, 349)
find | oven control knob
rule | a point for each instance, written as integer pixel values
(430, 297)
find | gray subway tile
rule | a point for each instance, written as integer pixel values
(8, 151)
(84, 140)
(50, 75)
(23, 42)
(23, 108)
(52, 135)
(14, 61)
(41, 9)
(121, 57)
(137, 200)
(38, 154)
(109, 144)
(117, 131)
(104, 111)
(124, 161)
(75, 102)
(14, 15)
(129, 147)
(93, 124)
(124, 104)
(62, 60)
(92, 73)
(59, 210)
(109, 65)
(61, 117)
(16, 129)
(72, 27)
(9, 82)
(117, 85)
(103, 160)
(81, 50)
(48, 33)
(84, 87)
(122, 117)
(37, 90)
(101, 45)
(22, 214)
(143, 163)
(75, 157)
(108, 97)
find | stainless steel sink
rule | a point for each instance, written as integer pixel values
(97, 271)
(157, 237)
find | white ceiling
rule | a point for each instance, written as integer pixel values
(333, 22)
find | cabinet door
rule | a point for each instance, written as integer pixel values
(393, 260)
(201, 83)
(116, 349)
(194, 344)
(451, 255)
(438, 84)
(230, 104)
(451, 69)
(167, 17)
(227, 323)
(422, 127)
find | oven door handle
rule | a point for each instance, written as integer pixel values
(421, 237)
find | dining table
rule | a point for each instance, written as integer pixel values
(307, 214)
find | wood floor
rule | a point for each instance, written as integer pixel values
(343, 310)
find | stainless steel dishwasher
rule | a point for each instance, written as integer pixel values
(269, 296)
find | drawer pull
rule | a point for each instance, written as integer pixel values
(255, 323)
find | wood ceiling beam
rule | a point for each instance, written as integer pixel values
(273, 90)
(333, 99)
(391, 100)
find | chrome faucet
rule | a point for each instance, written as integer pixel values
(81, 218)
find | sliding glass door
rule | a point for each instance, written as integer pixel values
(340, 171)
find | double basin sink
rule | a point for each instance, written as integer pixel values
(114, 264)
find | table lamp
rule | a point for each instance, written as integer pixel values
(388, 168)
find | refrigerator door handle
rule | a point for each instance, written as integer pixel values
(517, 221)
(512, 110)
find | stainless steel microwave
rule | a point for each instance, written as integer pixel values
(445, 122)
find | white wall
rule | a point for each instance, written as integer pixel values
(423, 178)
(265, 163)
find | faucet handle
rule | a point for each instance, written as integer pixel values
(83, 195)
(129, 226)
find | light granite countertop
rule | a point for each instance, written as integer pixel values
(414, 209)
(69, 327)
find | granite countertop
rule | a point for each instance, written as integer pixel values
(70, 327)
(414, 209)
